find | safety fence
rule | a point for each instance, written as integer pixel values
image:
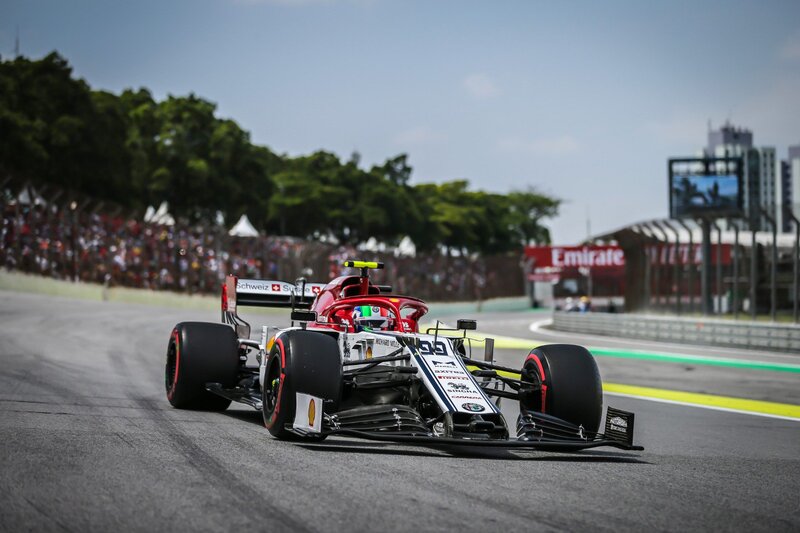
(751, 335)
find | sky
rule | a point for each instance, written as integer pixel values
(584, 101)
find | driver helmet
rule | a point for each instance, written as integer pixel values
(370, 317)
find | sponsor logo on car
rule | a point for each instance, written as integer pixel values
(619, 424)
(444, 363)
(276, 287)
(451, 373)
(251, 286)
(474, 407)
(387, 342)
(458, 386)
(312, 412)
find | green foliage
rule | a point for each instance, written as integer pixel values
(56, 130)
(526, 211)
(137, 152)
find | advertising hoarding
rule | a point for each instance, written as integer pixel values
(576, 256)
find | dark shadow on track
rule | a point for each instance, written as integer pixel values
(588, 456)
(371, 448)
(352, 446)
(254, 417)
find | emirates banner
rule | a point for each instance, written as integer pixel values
(612, 257)
(599, 257)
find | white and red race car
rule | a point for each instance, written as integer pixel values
(356, 364)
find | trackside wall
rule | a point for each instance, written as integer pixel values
(752, 335)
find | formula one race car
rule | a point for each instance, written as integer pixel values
(357, 365)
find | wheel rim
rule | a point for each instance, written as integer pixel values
(271, 382)
(172, 366)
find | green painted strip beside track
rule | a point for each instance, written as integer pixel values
(695, 359)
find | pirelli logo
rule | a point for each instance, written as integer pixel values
(619, 425)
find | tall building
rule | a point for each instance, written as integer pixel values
(760, 173)
(730, 141)
(767, 185)
(728, 136)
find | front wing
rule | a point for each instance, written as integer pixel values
(536, 431)
(538, 444)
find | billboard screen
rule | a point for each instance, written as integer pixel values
(710, 188)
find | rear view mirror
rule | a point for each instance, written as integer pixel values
(304, 316)
(466, 324)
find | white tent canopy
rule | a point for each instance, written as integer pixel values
(406, 247)
(243, 228)
(159, 216)
(25, 197)
(372, 245)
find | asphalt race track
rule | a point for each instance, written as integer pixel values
(89, 443)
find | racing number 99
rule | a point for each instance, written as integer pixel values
(429, 348)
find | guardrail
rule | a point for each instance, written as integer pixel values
(753, 335)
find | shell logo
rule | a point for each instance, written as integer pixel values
(312, 412)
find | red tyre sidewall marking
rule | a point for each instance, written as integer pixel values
(535, 358)
(175, 336)
(269, 423)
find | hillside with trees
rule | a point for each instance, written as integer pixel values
(135, 151)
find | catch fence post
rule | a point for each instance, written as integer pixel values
(718, 274)
(795, 266)
(689, 265)
(753, 274)
(735, 269)
(773, 290)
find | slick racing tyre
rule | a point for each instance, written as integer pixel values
(200, 353)
(572, 389)
(300, 362)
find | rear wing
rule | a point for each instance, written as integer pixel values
(264, 293)
(268, 293)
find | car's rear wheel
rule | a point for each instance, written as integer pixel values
(571, 385)
(199, 353)
(300, 362)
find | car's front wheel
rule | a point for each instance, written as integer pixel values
(302, 362)
(571, 385)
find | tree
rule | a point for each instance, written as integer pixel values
(57, 131)
(137, 151)
(528, 209)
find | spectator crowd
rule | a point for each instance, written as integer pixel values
(62, 242)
